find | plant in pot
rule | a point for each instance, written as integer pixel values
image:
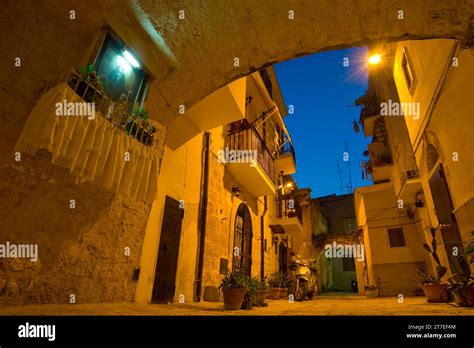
(234, 288)
(460, 289)
(262, 293)
(250, 297)
(460, 286)
(434, 289)
(275, 281)
(88, 78)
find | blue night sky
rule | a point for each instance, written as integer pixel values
(320, 88)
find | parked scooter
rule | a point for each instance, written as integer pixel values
(305, 273)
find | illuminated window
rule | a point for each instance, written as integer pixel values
(121, 72)
(396, 237)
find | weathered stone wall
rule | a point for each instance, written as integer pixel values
(81, 250)
(398, 278)
(220, 220)
(261, 33)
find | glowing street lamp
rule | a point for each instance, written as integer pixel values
(375, 58)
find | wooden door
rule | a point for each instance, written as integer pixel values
(167, 263)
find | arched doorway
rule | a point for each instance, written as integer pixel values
(242, 259)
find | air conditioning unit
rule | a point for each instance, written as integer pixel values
(411, 174)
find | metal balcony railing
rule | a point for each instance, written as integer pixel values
(371, 106)
(287, 148)
(248, 139)
(120, 117)
(288, 207)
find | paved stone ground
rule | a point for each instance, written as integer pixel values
(322, 305)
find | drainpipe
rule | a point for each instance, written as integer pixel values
(262, 239)
(202, 218)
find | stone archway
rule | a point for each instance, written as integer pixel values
(206, 37)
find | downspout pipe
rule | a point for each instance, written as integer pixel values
(202, 218)
(262, 238)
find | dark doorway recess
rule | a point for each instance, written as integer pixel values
(167, 263)
(449, 227)
(283, 258)
(242, 259)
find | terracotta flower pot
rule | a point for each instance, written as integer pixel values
(435, 293)
(233, 297)
(284, 293)
(262, 295)
(275, 293)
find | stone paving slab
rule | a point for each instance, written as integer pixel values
(321, 305)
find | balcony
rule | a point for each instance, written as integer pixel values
(86, 133)
(136, 124)
(406, 178)
(380, 172)
(411, 185)
(369, 114)
(250, 162)
(289, 216)
(286, 159)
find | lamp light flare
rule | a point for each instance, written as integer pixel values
(131, 59)
(123, 64)
(375, 58)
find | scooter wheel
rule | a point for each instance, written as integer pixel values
(301, 290)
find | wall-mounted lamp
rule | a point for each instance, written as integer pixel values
(236, 191)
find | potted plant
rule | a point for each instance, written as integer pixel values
(460, 288)
(262, 293)
(88, 77)
(275, 281)
(434, 290)
(253, 285)
(234, 288)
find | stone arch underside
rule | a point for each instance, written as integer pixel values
(260, 33)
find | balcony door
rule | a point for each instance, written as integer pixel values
(242, 255)
(444, 210)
